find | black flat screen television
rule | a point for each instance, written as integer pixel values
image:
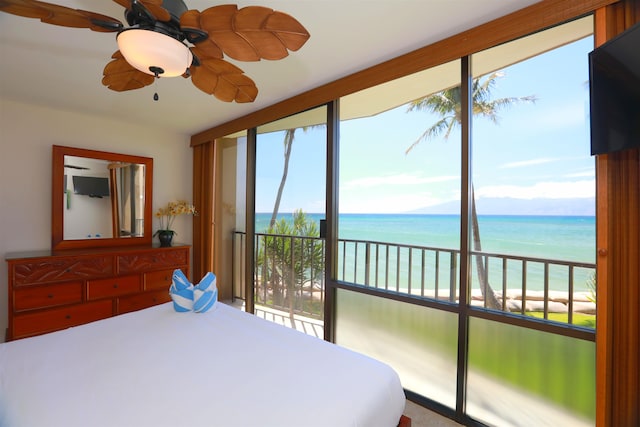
(92, 186)
(614, 86)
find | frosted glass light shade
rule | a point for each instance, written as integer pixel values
(145, 48)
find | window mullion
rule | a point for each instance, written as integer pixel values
(465, 206)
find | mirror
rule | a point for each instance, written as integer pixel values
(100, 199)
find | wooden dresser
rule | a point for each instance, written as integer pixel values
(52, 291)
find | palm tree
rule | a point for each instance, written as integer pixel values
(289, 136)
(308, 252)
(292, 258)
(447, 104)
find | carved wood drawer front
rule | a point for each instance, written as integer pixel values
(62, 269)
(143, 300)
(158, 279)
(28, 298)
(40, 322)
(152, 261)
(113, 286)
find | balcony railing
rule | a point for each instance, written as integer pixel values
(286, 281)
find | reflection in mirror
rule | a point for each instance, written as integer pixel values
(128, 198)
(103, 199)
(100, 198)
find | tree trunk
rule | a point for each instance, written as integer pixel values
(487, 292)
(274, 281)
(288, 143)
(292, 300)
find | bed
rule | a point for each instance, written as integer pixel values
(157, 367)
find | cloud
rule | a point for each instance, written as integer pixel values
(546, 190)
(588, 173)
(403, 179)
(531, 162)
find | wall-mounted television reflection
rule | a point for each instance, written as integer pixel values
(91, 186)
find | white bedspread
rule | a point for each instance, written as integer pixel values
(222, 368)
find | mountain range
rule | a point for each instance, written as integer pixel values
(512, 206)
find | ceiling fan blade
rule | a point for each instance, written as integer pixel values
(156, 9)
(248, 34)
(120, 76)
(270, 31)
(153, 7)
(61, 15)
(28, 9)
(223, 80)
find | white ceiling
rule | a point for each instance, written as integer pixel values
(62, 67)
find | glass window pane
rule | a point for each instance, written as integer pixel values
(290, 202)
(534, 178)
(418, 342)
(399, 186)
(523, 377)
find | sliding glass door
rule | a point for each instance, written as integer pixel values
(466, 237)
(533, 248)
(399, 229)
(289, 215)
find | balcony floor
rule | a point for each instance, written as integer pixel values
(307, 325)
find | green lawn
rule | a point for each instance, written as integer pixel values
(579, 319)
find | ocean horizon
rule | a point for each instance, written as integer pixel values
(553, 237)
(561, 237)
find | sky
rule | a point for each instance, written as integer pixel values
(537, 151)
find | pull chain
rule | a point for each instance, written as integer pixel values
(156, 72)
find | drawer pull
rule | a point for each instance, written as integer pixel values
(50, 296)
(68, 270)
(115, 286)
(68, 316)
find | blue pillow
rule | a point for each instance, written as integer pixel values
(205, 294)
(181, 291)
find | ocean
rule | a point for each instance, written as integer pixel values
(565, 238)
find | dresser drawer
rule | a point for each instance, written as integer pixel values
(159, 259)
(32, 297)
(60, 269)
(112, 287)
(158, 279)
(40, 322)
(143, 300)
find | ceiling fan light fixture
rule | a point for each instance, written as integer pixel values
(147, 49)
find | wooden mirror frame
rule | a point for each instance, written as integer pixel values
(57, 200)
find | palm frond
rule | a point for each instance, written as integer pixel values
(447, 104)
(442, 103)
(442, 125)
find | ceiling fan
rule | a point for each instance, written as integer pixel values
(165, 39)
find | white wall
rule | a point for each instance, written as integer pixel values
(27, 133)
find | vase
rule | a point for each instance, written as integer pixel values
(165, 237)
